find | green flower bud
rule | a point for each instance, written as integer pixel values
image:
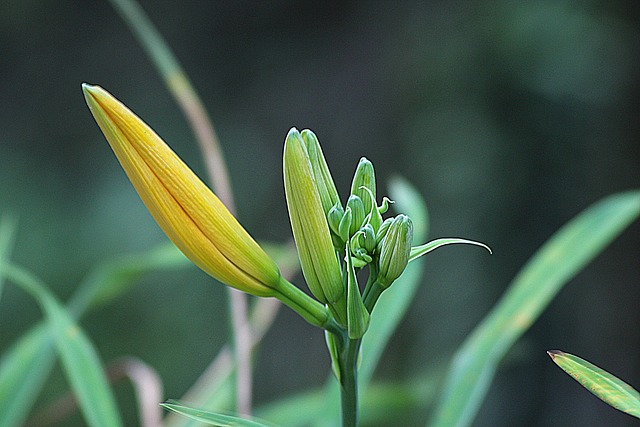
(334, 218)
(368, 238)
(358, 213)
(324, 182)
(382, 231)
(320, 266)
(363, 179)
(374, 218)
(345, 224)
(395, 250)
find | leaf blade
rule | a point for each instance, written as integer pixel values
(212, 418)
(549, 269)
(79, 357)
(604, 385)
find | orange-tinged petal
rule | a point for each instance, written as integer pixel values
(187, 211)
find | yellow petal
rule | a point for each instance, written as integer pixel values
(188, 212)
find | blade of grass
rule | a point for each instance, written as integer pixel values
(183, 92)
(8, 227)
(78, 355)
(193, 108)
(211, 418)
(25, 366)
(23, 370)
(567, 252)
(605, 386)
(214, 387)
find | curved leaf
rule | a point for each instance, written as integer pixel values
(79, 358)
(567, 252)
(212, 418)
(605, 386)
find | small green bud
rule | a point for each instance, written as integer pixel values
(367, 238)
(345, 224)
(358, 213)
(324, 182)
(374, 217)
(382, 231)
(334, 216)
(395, 249)
(318, 259)
(363, 179)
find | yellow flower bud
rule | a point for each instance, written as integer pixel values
(188, 212)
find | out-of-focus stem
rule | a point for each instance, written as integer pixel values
(195, 112)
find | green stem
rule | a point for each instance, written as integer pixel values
(311, 310)
(348, 351)
(372, 294)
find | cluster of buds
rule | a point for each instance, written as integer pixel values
(333, 240)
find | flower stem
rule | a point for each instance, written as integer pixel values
(348, 351)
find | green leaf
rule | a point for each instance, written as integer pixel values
(79, 358)
(357, 314)
(418, 251)
(567, 252)
(8, 226)
(23, 370)
(25, 366)
(212, 418)
(601, 383)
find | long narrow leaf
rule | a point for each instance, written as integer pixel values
(418, 251)
(23, 370)
(552, 266)
(607, 387)
(79, 358)
(7, 237)
(25, 366)
(211, 418)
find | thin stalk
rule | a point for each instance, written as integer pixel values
(192, 107)
(348, 352)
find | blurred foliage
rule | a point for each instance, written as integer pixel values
(510, 118)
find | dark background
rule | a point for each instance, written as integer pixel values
(509, 118)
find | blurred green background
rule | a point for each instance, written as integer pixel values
(509, 117)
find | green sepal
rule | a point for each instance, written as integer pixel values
(357, 314)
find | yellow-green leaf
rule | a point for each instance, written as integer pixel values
(607, 387)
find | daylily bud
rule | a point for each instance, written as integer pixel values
(382, 231)
(320, 265)
(345, 224)
(394, 250)
(357, 212)
(324, 182)
(364, 177)
(187, 211)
